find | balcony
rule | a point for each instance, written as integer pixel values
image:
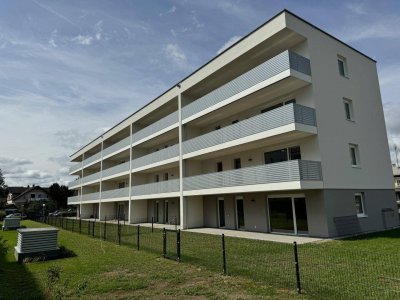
(74, 184)
(267, 73)
(73, 200)
(75, 167)
(163, 125)
(91, 159)
(285, 115)
(258, 178)
(157, 157)
(124, 167)
(92, 177)
(116, 193)
(91, 197)
(117, 146)
(162, 187)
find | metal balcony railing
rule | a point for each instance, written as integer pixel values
(91, 196)
(167, 186)
(155, 157)
(287, 114)
(117, 146)
(74, 199)
(92, 177)
(278, 64)
(75, 167)
(74, 183)
(116, 193)
(92, 159)
(293, 170)
(116, 169)
(165, 122)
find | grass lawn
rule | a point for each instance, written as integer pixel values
(104, 270)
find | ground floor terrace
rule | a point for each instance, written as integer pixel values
(315, 213)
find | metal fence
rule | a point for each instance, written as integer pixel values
(320, 270)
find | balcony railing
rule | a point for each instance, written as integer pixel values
(92, 177)
(287, 114)
(155, 157)
(167, 186)
(116, 193)
(293, 170)
(119, 145)
(91, 159)
(75, 167)
(165, 122)
(91, 197)
(116, 169)
(73, 199)
(278, 64)
(74, 183)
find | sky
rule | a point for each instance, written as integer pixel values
(72, 69)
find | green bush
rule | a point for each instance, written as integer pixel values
(2, 215)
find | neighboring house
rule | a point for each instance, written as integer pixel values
(279, 133)
(396, 175)
(21, 195)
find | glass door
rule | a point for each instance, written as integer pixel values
(240, 212)
(281, 215)
(156, 209)
(166, 212)
(221, 212)
(301, 215)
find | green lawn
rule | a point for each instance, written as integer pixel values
(104, 270)
(365, 267)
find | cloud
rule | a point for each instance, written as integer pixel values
(170, 11)
(55, 13)
(175, 53)
(52, 39)
(358, 8)
(85, 40)
(229, 43)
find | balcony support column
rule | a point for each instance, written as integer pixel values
(130, 177)
(101, 175)
(182, 200)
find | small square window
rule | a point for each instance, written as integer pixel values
(342, 64)
(348, 109)
(219, 166)
(32, 196)
(360, 207)
(354, 155)
(237, 163)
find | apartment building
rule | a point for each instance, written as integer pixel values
(283, 132)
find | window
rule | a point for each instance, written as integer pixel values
(219, 166)
(354, 155)
(121, 185)
(237, 163)
(348, 109)
(278, 105)
(359, 199)
(290, 101)
(285, 154)
(342, 64)
(157, 178)
(294, 153)
(235, 121)
(165, 176)
(217, 127)
(32, 196)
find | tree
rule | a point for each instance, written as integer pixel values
(60, 195)
(3, 190)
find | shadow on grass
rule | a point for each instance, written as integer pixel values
(391, 234)
(16, 281)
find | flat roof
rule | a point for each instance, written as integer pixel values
(218, 55)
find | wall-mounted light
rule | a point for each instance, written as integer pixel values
(250, 159)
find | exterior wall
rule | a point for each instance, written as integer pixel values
(173, 210)
(107, 211)
(340, 203)
(194, 211)
(138, 211)
(89, 210)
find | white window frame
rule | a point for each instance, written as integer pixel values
(357, 155)
(345, 68)
(362, 203)
(351, 109)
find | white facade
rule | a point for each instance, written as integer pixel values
(282, 132)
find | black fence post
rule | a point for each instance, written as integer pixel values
(80, 226)
(119, 232)
(93, 225)
(164, 243)
(73, 225)
(152, 224)
(138, 237)
(88, 228)
(223, 254)
(296, 265)
(105, 228)
(178, 245)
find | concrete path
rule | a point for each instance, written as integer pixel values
(281, 238)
